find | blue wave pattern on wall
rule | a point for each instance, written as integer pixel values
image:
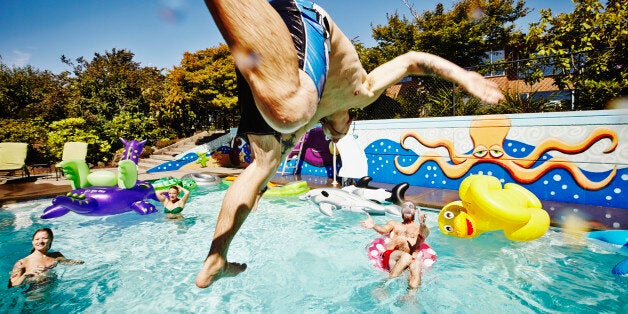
(306, 168)
(555, 185)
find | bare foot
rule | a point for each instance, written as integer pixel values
(214, 268)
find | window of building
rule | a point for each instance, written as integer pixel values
(494, 60)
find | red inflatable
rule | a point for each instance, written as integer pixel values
(376, 249)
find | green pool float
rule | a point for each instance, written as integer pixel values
(290, 189)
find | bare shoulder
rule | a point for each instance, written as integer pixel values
(21, 262)
(56, 255)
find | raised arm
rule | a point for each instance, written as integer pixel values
(423, 234)
(421, 63)
(424, 228)
(370, 224)
(186, 195)
(161, 195)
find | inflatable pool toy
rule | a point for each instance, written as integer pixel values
(485, 206)
(174, 164)
(79, 174)
(102, 201)
(202, 159)
(103, 192)
(621, 269)
(376, 249)
(617, 238)
(330, 199)
(290, 189)
(132, 150)
(167, 182)
(315, 149)
(363, 189)
(615, 241)
(228, 180)
(203, 179)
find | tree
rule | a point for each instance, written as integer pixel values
(462, 35)
(585, 50)
(112, 83)
(201, 91)
(26, 92)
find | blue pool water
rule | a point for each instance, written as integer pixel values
(299, 261)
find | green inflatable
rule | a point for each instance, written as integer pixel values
(290, 189)
(79, 175)
(167, 182)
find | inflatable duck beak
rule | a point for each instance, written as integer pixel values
(453, 220)
(464, 226)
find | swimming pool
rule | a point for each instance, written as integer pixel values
(298, 261)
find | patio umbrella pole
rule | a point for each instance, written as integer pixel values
(334, 183)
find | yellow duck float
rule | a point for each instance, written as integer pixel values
(486, 206)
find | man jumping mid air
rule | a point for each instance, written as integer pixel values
(296, 68)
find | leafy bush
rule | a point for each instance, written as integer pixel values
(31, 131)
(129, 126)
(77, 130)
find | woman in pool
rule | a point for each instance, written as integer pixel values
(35, 267)
(173, 204)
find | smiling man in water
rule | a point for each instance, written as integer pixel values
(297, 68)
(406, 237)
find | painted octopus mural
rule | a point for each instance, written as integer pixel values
(488, 134)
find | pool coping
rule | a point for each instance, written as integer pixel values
(596, 217)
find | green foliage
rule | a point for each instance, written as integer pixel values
(77, 130)
(369, 57)
(440, 100)
(112, 82)
(201, 90)
(462, 35)
(31, 131)
(521, 103)
(131, 126)
(26, 92)
(587, 50)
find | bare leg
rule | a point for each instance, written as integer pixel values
(265, 54)
(241, 196)
(414, 281)
(399, 261)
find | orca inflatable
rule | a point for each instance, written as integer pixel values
(330, 199)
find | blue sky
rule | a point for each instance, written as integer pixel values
(38, 32)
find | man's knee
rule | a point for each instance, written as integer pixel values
(286, 121)
(288, 108)
(289, 116)
(405, 259)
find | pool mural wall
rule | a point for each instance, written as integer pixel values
(316, 155)
(572, 157)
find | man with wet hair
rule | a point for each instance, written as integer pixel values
(295, 68)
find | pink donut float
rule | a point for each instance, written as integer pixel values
(375, 250)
